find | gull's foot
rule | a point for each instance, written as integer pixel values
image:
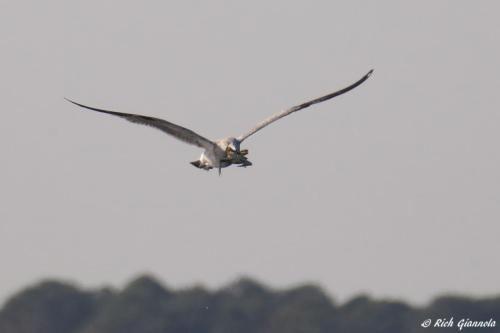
(197, 164)
(200, 165)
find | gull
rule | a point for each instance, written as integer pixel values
(224, 152)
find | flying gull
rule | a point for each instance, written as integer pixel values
(225, 152)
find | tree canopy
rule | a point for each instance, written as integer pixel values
(146, 306)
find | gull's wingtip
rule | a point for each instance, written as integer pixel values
(369, 73)
(67, 99)
(80, 105)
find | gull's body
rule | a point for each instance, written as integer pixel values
(216, 157)
(225, 152)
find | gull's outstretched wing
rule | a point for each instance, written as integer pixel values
(177, 131)
(302, 106)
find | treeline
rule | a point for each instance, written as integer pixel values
(145, 306)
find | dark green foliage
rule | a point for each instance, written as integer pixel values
(241, 307)
(460, 307)
(362, 314)
(50, 307)
(145, 306)
(139, 308)
(303, 309)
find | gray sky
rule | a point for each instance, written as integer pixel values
(392, 189)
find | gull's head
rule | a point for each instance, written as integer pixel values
(234, 144)
(230, 143)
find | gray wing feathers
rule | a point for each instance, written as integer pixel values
(179, 132)
(296, 108)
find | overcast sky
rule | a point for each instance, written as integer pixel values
(391, 189)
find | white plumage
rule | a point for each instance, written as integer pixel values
(225, 152)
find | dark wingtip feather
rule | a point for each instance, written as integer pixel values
(81, 105)
(96, 109)
(67, 99)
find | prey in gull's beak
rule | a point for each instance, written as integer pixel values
(237, 157)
